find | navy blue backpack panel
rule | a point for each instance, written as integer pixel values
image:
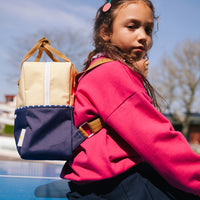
(46, 133)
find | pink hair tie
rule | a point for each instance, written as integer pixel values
(107, 6)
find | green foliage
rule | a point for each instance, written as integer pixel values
(8, 129)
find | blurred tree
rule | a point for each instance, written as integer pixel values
(178, 81)
(74, 44)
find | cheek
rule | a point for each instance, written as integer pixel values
(120, 42)
(121, 38)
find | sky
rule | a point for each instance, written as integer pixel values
(178, 22)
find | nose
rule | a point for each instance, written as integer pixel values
(142, 36)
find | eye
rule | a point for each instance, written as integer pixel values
(131, 27)
(149, 30)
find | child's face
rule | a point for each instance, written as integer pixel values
(132, 29)
(142, 66)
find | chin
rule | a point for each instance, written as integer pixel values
(137, 56)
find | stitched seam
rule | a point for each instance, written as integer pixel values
(126, 71)
(168, 195)
(136, 92)
(147, 189)
(119, 105)
(125, 192)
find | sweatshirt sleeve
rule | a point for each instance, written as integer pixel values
(154, 139)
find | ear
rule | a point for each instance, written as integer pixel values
(105, 33)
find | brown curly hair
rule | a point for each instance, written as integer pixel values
(110, 50)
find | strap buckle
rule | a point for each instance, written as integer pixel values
(88, 129)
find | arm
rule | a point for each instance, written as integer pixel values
(154, 139)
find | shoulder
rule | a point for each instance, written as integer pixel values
(113, 72)
(106, 87)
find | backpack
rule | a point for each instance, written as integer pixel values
(44, 125)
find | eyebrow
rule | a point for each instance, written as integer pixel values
(150, 24)
(139, 22)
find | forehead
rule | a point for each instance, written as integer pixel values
(134, 10)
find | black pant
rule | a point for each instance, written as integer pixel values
(141, 182)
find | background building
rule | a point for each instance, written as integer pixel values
(7, 110)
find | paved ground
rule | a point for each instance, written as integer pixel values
(31, 180)
(28, 180)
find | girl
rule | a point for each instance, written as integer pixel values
(137, 155)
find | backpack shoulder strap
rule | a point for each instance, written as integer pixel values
(97, 124)
(90, 128)
(98, 62)
(92, 66)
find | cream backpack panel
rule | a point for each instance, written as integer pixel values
(46, 83)
(40, 85)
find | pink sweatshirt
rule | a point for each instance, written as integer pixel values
(137, 132)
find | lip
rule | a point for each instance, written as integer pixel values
(139, 48)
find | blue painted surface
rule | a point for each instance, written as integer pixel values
(30, 180)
